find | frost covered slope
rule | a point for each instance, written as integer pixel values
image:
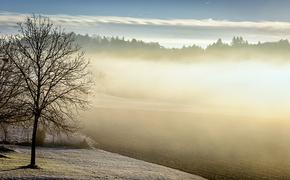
(85, 164)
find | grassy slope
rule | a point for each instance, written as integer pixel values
(84, 164)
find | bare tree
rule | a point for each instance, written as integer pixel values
(55, 74)
(12, 106)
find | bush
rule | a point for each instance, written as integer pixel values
(40, 137)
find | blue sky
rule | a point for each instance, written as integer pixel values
(256, 11)
(200, 9)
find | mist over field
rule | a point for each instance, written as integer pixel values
(149, 89)
(227, 117)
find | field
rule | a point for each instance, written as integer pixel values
(214, 147)
(83, 164)
(217, 165)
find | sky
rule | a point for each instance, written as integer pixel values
(172, 23)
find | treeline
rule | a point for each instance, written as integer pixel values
(102, 42)
(238, 48)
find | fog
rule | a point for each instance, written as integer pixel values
(203, 117)
(229, 88)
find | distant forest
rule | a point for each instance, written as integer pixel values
(239, 48)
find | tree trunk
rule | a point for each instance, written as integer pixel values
(33, 142)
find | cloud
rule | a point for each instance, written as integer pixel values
(12, 18)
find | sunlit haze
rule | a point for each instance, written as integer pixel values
(202, 86)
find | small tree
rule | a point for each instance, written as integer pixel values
(40, 137)
(54, 71)
(4, 127)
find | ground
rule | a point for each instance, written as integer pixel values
(59, 163)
